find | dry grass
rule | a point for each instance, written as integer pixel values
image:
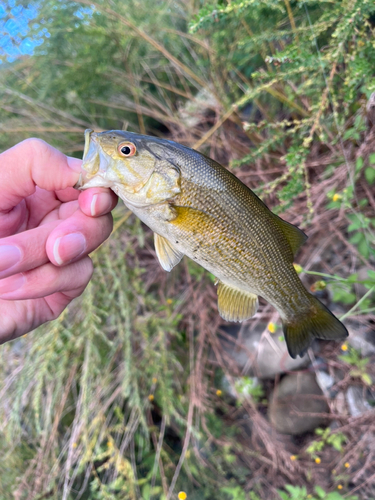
(76, 395)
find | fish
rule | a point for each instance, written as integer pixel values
(198, 208)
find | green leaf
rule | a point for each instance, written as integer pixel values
(370, 175)
(366, 379)
(371, 159)
(320, 492)
(354, 226)
(364, 249)
(353, 278)
(348, 134)
(356, 238)
(334, 204)
(334, 495)
(358, 164)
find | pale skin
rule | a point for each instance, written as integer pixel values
(47, 230)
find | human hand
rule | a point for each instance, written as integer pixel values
(47, 229)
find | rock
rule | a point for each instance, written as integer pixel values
(339, 406)
(356, 399)
(263, 356)
(325, 381)
(297, 392)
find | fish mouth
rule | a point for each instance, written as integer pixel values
(94, 165)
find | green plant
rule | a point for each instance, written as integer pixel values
(237, 493)
(300, 493)
(359, 365)
(234, 492)
(343, 290)
(249, 387)
(327, 438)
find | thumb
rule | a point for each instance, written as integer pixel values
(33, 163)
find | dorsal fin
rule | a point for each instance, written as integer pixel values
(235, 304)
(168, 255)
(295, 236)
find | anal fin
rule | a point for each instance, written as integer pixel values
(168, 255)
(235, 304)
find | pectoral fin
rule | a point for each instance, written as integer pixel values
(168, 255)
(235, 304)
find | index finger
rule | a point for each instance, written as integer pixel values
(33, 163)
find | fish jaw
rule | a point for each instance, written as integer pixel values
(140, 181)
(102, 165)
(95, 165)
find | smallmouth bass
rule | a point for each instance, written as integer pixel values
(196, 207)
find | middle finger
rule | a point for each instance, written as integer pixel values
(59, 242)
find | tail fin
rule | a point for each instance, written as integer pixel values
(318, 323)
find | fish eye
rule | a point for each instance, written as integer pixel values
(126, 149)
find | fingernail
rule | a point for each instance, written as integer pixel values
(10, 255)
(12, 283)
(68, 247)
(100, 204)
(74, 163)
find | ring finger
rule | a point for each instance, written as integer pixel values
(46, 280)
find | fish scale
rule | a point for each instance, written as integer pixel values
(199, 209)
(241, 247)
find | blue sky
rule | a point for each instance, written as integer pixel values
(15, 24)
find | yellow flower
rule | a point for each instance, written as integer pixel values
(169, 301)
(182, 495)
(74, 445)
(154, 380)
(298, 268)
(317, 460)
(336, 197)
(219, 392)
(339, 486)
(150, 397)
(318, 286)
(347, 465)
(293, 457)
(344, 347)
(272, 327)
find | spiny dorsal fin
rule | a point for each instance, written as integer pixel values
(293, 234)
(235, 304)
(168, 255)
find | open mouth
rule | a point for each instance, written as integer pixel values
(94, 163)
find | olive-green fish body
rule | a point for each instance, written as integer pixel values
(199, 209)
